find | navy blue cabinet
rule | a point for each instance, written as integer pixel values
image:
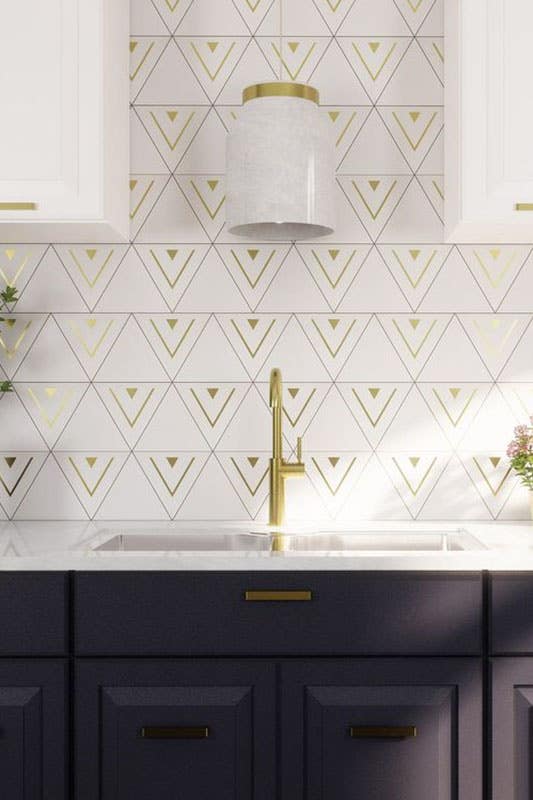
(382, 729)
(33, 730)
(188, 729)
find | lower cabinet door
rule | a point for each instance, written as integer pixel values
(382, 729)
(187, 729)
(512, 728)
(32, 730)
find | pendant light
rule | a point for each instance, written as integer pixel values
(280, 167)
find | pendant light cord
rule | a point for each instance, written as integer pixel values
(281, 40)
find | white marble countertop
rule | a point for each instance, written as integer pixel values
(71, 546)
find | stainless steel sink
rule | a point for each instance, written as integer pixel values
(321, 542)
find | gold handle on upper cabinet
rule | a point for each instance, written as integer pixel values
(275, 596)
(182, 732)
(383, 731)
(523, 207)
(17, 206)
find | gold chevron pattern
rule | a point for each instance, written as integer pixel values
(141, 382)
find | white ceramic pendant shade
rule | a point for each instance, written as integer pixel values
(280, 168)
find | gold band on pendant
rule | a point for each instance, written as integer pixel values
(281, 89)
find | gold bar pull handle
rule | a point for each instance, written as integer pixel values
(523, 207)
(278, 596)
(181, 732)
(383, 731)
(18, 206)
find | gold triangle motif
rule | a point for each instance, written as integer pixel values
(495, 461)
(10, 254)
(414, 461)
(213, 184)
(91, 461)
(374, 46)
(333, 323)
(414, 323)
(253, 254)
(374, 185)
(132, 391)
(133, 46)
(172, 460)
(212, 392)
(333, 460)
(253, 323)
(172, 115)
(334, 254)
(91, 253)
(333, 115)
(455, 392)
(293, 392)
(172, 254)
(10, 460)
(294, 74)
(50, 391)
(414, 115)
(293, 46)
(374, 392)
(414, 254)
(252, 460)
(212, 46)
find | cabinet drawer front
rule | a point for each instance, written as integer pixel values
(33, 613)
(188, 729)
(264, 613)
(417, 726)
(511, 629)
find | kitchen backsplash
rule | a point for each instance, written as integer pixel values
(141, 371)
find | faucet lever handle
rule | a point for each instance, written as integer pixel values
(299, 449)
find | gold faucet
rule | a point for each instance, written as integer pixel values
(280, 469)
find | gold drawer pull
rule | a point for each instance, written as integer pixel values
(201, 732)
(524, 207)
(18, 206)
(383, 732)
(285, 596)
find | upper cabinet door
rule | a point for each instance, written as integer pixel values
(489, 121)
(64, 155)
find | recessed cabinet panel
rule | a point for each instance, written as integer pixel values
(489, 121)
(176, 729)
(64, 134)
(32, 730)
(382, 729)
(512, 731)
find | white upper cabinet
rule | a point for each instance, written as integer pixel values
(64, 129)
(489, 120)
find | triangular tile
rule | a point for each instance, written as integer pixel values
(144, 19)
(334, 428)
(374, 198)
(433, 24)
(145, 158)
(346, 123)
(413, 220)
(433, 49)
(433, 163)
(250, 428)
(50, 358)
(253, 11)
(495, 337)
(130, 289)
(172, 11)
(519, 397)
(368, 16)
(145, 52)
(18, 431)
(91, 337)
(18, 263)
(172, 129)
(253, 267)
(50, 288)
(454, 406)
(443, 364)
(91, 267)
(171, 220)
(207, 19)
(172, 337)
(414, 130)
(131, 497)
(520, 367)
(131, 406)
(298, 18)
(17, 473)
(132, 359)
(171, 427)
(172, 267)
(299, 55)
(91, 475)
(212, 59)
(433, 186)
(334, 475)
(492, 427)
(253, 337)
(414, 337)
(333, 267)
(212, 406)
(334, 337)
(50, 405)
(493, 477)
(496, 267)
(50, 497)
(292, 289)
(414, 11)
(145, 190)
(213, 497)
(172, 82)
(374, 152)
(295, 356)
(414, 83)
(454, 289)
(334, 92)
(213, 290)
(207, 152)
(213, 358)
(90, 427)
(17, 335)
(374, 359)
(172, 475)
(414, 428)
(334, 11)
(248, 473)
(206, 196)
(414, 476)
(374, 60)
(373, 498)
(414, 267)
(374, 289)
(374, 406)
(448, 503)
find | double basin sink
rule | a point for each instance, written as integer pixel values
(315, 543)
